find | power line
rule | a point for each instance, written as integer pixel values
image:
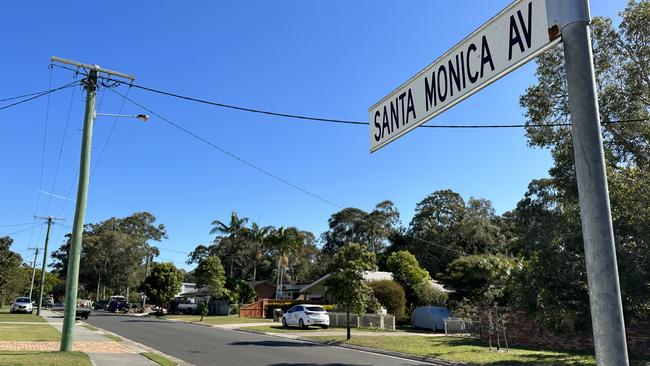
(262, 170)
(23, 224)
(58, 160)
(110, 134)
(23, 230)
(352, 122)
(332, 120)
(41, 94)
(230, 154)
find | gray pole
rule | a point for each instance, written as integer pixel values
(74, 254)
(31, 287)
(595, 214)
(40, 291)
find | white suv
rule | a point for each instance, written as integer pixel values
(22, 305)
(305, 315)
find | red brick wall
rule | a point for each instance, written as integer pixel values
(523, 331)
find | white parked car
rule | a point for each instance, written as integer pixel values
(305, 315)
(22, 305)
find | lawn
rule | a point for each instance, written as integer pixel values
(466, 350)
(161, 360)
(44, 358)
(216, 320)
(5, 316)
(28, 332)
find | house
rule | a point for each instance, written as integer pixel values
(263, 289)
(267, 290)
(318, 291)
(187, 287)
(290, 291)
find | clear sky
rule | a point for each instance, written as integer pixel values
(330, 59)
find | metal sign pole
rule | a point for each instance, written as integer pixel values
(597, 230)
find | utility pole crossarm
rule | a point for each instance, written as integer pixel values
(90, 67)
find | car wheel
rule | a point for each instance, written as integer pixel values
(284, 323)
(31, 311)
(324, 326)
(301, 324)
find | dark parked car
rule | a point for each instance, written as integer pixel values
(101, 305)
(117, 303)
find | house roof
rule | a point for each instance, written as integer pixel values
(315, 283)
(370, 276)
(377, 276)
(367, 276)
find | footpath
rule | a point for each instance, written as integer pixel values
(102, 347)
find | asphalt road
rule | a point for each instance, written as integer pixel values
(202, 345)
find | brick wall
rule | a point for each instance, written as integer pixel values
(523, 331)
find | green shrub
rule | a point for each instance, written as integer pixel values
(427, 294)
(390, 295)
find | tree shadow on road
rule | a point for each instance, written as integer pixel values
(274, 344)
(319, 364)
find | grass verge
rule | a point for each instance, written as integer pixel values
(6, 316)
(161, 360)
(465, 350)
(216, 320)
(113, 337)
(24, 358)
(28, 332)
(90, 327)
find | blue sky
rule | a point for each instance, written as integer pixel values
(329, 59)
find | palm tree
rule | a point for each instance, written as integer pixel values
(282, 242)
(258, 236)
(235, 230)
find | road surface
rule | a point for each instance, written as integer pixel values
(202, 345)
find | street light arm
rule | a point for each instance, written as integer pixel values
(142, 117)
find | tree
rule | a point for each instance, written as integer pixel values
(9, 268)
(240, 291)
(346, 283)
(113, 252)
(281, 242)
(552, 283)
(234, 232)
(353, 225)
(445, 227)
(163, 283)
(210, 274)
(407, 272)
(390, 295)
(52, 281)
(482, 279)
(257, 235)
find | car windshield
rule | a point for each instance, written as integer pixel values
(315, 308)
(23, 299)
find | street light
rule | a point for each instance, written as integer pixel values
(74, 253)
(141, 117)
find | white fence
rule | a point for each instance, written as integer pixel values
(462, 328)
(373, 321)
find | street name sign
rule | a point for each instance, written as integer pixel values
(516, 35)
